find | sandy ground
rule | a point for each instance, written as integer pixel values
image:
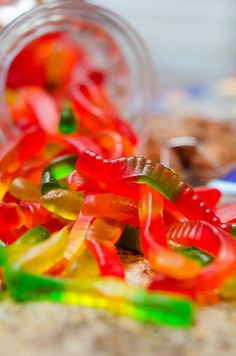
(53, 329)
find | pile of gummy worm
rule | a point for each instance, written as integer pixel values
(72, 192)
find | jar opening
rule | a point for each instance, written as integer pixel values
(112, 43)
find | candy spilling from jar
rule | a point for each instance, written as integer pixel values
(72, 191)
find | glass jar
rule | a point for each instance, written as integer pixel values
(114, 45)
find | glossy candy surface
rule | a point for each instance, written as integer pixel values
(63, 203)
(140, 170)
(210, 239)
(111, 206)
(23, 189)
(154, 240)
(72, 195)
(111, 294)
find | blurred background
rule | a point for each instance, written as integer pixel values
(190, 41)
(193, 46)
